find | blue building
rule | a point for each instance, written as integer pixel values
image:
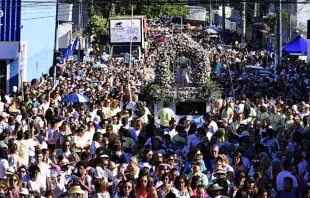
(27, 38)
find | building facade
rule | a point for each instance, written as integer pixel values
(27, 38)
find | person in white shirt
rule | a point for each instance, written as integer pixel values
(209, 122)
(285, 173)
(305, 111)
(171, 130)
(35, 183)
(97, 141)
(44, 173)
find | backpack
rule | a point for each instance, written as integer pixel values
(279, 194)
(140, 111)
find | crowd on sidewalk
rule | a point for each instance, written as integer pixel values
(252, 144)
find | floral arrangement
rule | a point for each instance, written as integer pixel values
(182, 45)
(201, 88)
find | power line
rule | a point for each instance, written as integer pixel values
(145, 2)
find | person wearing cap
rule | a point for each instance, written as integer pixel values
(76, 190)
(214, 191)
(182, 150)
(66, 169)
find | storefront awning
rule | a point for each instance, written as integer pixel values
(9, 50)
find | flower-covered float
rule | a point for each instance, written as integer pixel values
(182, 79)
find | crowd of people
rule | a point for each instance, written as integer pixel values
(252, 144)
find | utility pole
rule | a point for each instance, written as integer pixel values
(80, 32)
(223, 17)
(254, 30)
(181, 23)
(55, 45)
(243, 25)
(290, 26)
(279, 32)
(130, 48)
(210, 14)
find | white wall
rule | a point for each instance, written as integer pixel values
(65, 12)
(64, 34)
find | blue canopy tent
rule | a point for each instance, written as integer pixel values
(298, 47)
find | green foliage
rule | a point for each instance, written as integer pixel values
(161, 10)
(272, 20)
(97, 25)
(150, 8)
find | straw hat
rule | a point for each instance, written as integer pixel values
(76, 190)
(10, 171)
(64, 162)
(220, 171)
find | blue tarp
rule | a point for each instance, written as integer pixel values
(298, 46)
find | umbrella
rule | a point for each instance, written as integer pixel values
(75, 98)
(210, 31)
(213, 28)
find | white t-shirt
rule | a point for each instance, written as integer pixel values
(32, 148)
(44, 172)
(4, 164)
(36, 185)
(1, 106)
(132, 106)
(93, 147)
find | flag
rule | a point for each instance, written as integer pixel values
(68, 52)
(269, 50)
(75, 43)
(86, 47)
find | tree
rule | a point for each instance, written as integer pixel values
(96, 23)
(272, 20)
(151, 8)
